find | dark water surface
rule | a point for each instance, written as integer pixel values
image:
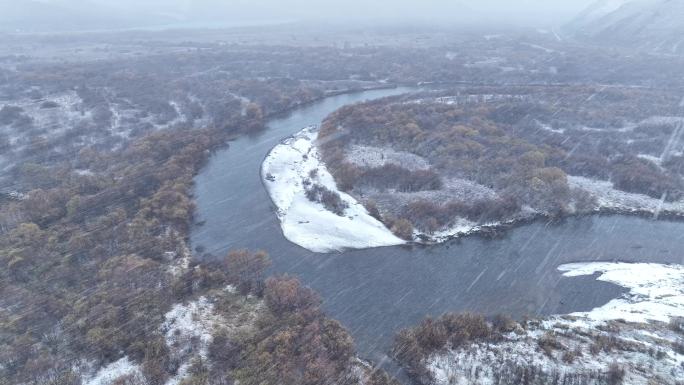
(375, 292)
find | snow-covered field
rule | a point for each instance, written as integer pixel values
(369, 156)
(609, 197)
(286, 171)
(630, 334)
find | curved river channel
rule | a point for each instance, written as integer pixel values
(376, 292)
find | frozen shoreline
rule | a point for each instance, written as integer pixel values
(656, 292)
(626, 333)
(286, 171)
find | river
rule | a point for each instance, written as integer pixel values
(376, 292)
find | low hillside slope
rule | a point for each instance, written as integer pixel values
(652, 25)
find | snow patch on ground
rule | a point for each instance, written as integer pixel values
(547, 127)
(106, 375)
(308, 224)
(368, 156)
(654, 159)
(656, 292)
(609, 197)
(463, 227)
(454, 189)
(460, 227)
(187, 328)
(466, 99)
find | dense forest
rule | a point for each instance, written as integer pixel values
(95, 224)
(518, 145)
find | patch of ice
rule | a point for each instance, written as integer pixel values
(307, 223)
(113, 371)
(656, 292)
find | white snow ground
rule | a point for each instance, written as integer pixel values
(611, 198)
(369, 156)
(656, 292)
(188, 330)
(630, 332)
(307, 223)
(107, 374)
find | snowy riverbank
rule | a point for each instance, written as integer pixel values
(293, 166)
(656, 292)
(287, 171)
(637, 337)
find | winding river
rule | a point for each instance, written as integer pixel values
(376, 292)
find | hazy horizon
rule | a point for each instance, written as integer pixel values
(141, 13)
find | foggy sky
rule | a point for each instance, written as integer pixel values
(523, 12)
(363, 9)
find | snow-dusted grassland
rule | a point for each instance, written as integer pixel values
(608, 197)
(110, 373)
(188, 329)
(287, 171)
(68, 122)
(389, 201)
(640, 333)
(369, 156)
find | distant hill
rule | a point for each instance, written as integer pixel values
(651, 25)
(74, 15)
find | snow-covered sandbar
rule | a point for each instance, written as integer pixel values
(287, 171)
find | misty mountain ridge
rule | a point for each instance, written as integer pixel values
(650, 25)
(58, 15)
